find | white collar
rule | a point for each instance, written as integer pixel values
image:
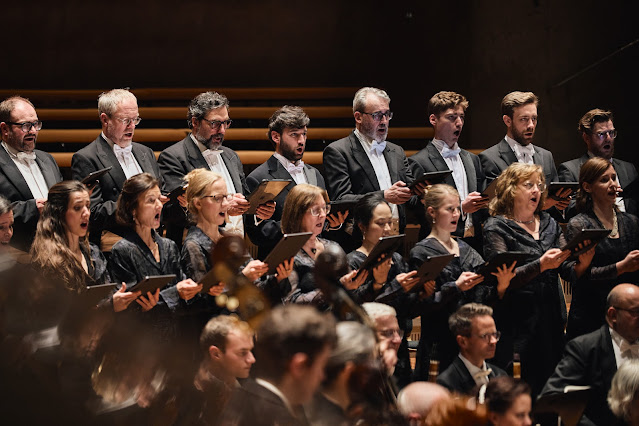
(472, 368)
(270, 386)
(364, 140)
(285, 161)
(440, 144)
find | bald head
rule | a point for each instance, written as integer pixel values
(623, 311)
(417, 399)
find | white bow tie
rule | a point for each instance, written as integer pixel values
(378, 147)
(212, 155)
(482, 373)
(293, 169)
(526, 150)
(26, 156)
(448, 153)
(632, 347)
(124, 151)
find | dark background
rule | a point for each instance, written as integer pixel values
(411, 48)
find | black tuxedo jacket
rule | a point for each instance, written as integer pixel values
(14, 188)
(178, 160)
(456, 377)
(588, 360)
(430, 160)
(268, 233)
(254, 405)
(498, 157)
(98, 155)
(350, 174)
(626, 173)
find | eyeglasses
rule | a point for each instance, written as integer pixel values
(128, 121)
(215, 124)
(378, 116)
(487, 336)
(318, 210)
(530, 185)
(603, 135)
(26, 127)
(218, 198)
(389, 333)
(632, 312)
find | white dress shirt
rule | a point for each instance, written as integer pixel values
(26, 164)
(295, 170)
(480, 375)
(125, 157)
(623, 349)
(379, 167)
(234, 224)
(524, 154)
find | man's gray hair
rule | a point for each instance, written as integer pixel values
(377, 310)
(623, 389)
(359, 101)
(108, 101)
(203, 103)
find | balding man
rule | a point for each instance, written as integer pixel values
(592, 359)
(114, 147)
(26, 173)
(417, 399)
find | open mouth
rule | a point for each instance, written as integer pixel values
(157, 216)
(84, 225)
(534, 199)
(454, 222)
(457, 133)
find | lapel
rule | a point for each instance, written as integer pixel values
(146, 252)
(390, 156)
(439, 163)
(14, 176)
(277, 171)
(48, 172)
(142, 157)
(107, 158)
(471, 173)
(538, 159)
(360, 156)
(233, 171)
(622, 176)
(609, 362)
(506, 153)
(311, 177)
(194, 154)
(466, 380)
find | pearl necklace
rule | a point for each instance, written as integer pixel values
(615, 227)
(525, 222)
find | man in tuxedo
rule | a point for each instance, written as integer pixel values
(447, 113)
(519, 113)
(114, 147)
(592, 359)
(293, 347)
(598, 132)
(26, 173)
(208, 118)
(287, 130)
(474, 329)
(365, 162)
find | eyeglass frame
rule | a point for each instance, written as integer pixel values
(486, 336)
(602, 135)
(127, 121)
(529, 185)
(378, 116)
(326, 209)
(30, 124)
(389, 333)
(217, 199)
(633, 312)
(216, 124)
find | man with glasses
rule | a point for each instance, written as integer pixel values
(365, 162)
(26, 173)
(474, 329)
(114, 147)
(519, 113)
(389, 335)
(592, 359)
(287, 130)
(598, 132)
(208, 118)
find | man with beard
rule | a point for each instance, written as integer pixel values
(26, 173)
(287, 129)
(598, 131)
(446, 113)
(365, 162)
(114, 147)
(208, 118)
(519, 111)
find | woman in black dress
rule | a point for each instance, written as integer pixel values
(616, 258)
(456, 285)
(530, 315)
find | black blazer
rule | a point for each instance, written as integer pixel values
(15, 189)
(350, 174)
(430, 160)
(456, 377)
(178, 160)
(98, 155)
(267, 233)
(626, 173)
(498, 157)
(588, 360)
